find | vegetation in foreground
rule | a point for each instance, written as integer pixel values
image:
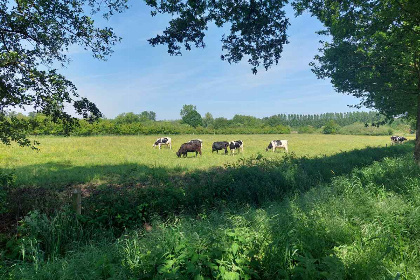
(352, 215)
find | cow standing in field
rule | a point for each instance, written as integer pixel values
(223, 145)
(198, 141)
(189, 147)
(397, 139)
(163, 141)
(235, 145)
(275, 144)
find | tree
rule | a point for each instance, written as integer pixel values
(257, 28)
(148, 116)
(192, 118)
(186, 109)
(35, 35)
(331, 127)
(127, 118)
(208, 120)
(221, 123)
(374, 54)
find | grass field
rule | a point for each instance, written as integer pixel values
(64, 161)
(343, 207)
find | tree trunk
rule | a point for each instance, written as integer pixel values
(417, 148)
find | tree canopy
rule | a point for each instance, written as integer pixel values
(257, 28)
(186, 109)
(35, 36)
(190, 115)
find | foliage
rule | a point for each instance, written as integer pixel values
(36, 36)
(186, 109)
(306, 129)
(135, 124)
(330, 128)
(129, 118)
(362, 129)
(208, 120)
(7, 181)
(257, 28)
(193, 119)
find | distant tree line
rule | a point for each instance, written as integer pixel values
(191, 121)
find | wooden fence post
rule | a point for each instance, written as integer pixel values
(77, 201)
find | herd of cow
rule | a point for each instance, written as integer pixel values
(195, 146)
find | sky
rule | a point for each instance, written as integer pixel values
(139, 77)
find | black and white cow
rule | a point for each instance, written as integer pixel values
(275, 144)
(163, 141)
(223, 145)
(189, 147)
(234, 145)
(397, 139)
(198, 141)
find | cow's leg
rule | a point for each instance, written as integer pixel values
(286, 148)
(159, 145)
(274, 148)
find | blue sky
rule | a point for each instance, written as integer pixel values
(139, 77)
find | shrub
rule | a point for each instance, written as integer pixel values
(330, 128)
(7, 180)
(362, 129)
(306, 129)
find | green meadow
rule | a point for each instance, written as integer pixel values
(63, 161)
(335, 207)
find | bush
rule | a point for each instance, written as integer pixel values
(362, 129)
(306, 129)
(331, 127)
(7, 181)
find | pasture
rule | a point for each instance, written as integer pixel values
(351, 214)
(64, 161)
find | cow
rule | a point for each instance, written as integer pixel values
(163, 141)
(223, 145)
(234, 145)
(278, 144)
(198, 141)
(397, 139)
(189, 147)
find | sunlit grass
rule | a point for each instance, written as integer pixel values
(110, 156)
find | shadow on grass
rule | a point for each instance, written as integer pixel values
(122, 195)
(305, 233)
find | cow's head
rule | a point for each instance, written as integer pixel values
(178, 154)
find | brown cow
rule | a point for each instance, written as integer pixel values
(189, 147)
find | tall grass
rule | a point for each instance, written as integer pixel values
(363, 224)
